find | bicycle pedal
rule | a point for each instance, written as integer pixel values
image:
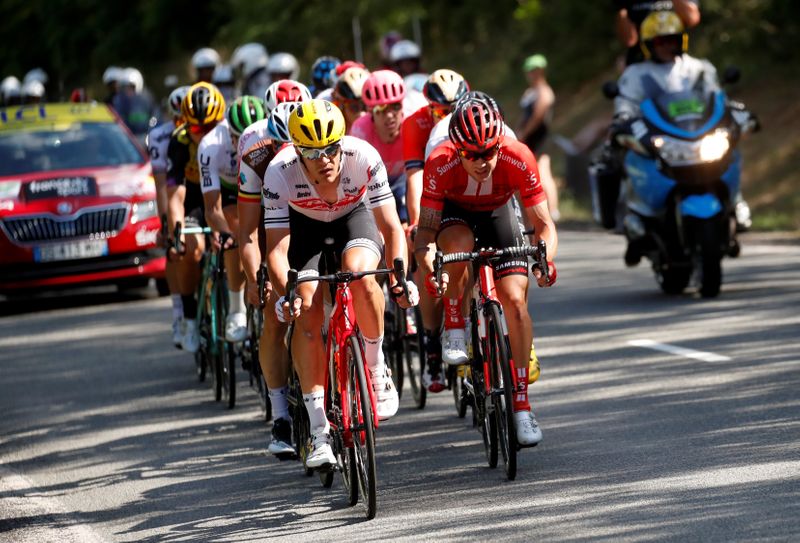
(327, 468)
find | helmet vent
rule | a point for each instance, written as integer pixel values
(318, 128)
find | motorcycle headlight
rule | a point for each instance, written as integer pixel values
(143, 210)
(714, 146)
(673, 151)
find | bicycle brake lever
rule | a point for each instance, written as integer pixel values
(541, 260)
(400, 275)
(437, 267)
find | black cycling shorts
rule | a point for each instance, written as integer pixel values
(307, 239)
(230, 196)
(497, 228)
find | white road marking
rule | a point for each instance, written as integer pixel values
(680, 351)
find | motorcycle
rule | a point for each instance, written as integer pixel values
(682, 169)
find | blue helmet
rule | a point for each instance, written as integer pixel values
(321, 72)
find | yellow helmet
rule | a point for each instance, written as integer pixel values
(316, 124)
(661, 23)
(203, 104)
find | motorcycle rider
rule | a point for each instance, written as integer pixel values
(667, 68)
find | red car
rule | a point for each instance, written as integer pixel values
(77, 200)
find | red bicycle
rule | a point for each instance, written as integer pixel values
(489, 386)
(349, 398)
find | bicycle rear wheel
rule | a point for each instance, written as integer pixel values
(362, 427)
(414, 355)
(502, 391)
(392, 345)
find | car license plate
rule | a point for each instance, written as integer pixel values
(73, 250)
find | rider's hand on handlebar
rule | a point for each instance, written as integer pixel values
(284, 313)
(540, 279)
(435, 289)
(413, 295)
(251, 293)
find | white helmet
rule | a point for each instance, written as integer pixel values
(404, 49)
(175, 99)
(223, 75)
(171, 81)
(205, 58)
(32, 89)
(37, 74)
(278, 123)
(133, 77)
(284, 63)
(248, 58)
(10, 87)
(111, 75)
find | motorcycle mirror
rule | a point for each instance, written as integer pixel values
(610, 89)
(731, 75)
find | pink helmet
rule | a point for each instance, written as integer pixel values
(383, 87)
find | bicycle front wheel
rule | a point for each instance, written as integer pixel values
(414, 354)
(362, 427)
(502, 390)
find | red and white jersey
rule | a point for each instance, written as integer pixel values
(286, 185)
(445, 178)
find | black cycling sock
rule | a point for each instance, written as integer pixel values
(189, 306)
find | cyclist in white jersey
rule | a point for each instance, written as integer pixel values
(325, 187)
(157, 144)
(218, 164)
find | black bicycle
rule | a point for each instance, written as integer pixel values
(489, 383)
(251, 345)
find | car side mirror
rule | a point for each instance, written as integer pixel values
(731, 75)
(610, 89)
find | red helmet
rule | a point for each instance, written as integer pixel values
(383, 87)
(476, 124)
(285, 90)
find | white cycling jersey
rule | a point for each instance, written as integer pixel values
(286, 185)
(642, 79)
(252, 134)
(439, 134)
(157, 144)
(217, 160)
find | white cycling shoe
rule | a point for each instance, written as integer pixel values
(191, 336)
(177, 332)
(386, 399)
(454, 346)
(528, 431)
(236, 327)
(322, 453)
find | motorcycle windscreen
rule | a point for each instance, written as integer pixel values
(686, 115)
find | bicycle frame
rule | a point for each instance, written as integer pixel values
(340, 328)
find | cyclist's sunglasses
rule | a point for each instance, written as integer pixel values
(201, 128)
(488, 154)
(439, 112)
(354, 106)
(312, 153)
(383, 108)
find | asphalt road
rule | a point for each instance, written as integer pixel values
(107, 436)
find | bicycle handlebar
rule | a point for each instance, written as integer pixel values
(539, 253)
(292, 280)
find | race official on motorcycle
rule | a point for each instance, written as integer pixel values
(667, 68)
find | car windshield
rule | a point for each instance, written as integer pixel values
(82, 145)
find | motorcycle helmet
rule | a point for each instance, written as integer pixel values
(249, 58)
(660, 24)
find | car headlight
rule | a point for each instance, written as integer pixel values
(141, 211)
(714, 146)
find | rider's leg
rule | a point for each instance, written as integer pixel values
(273, 358)
(368, 299)
(456, 237)
(236, 321)
(308, 350)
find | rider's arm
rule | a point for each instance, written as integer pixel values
(539, 217)
(413, 193)
(626, 30)
(687, 11)
(392, 231)
(208, 165)
(249, 209)
(178, 156)
(425, 242)
(278, 257)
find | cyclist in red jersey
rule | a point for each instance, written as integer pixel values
(468, 185)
